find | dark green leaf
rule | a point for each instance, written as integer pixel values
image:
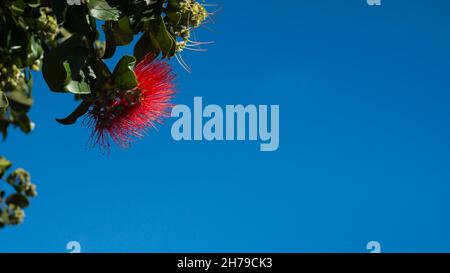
(18, 7)
(3, 103)
(72, 50)
(34, 50)
(33, 3)
(59, 8)
(123, 34)
(125, 64)
(22, 120)
(124, 75)
(4, 218)
(145, 46)
(4, 166)
(110, 40)
(75, 86)
(162, 39)
(143, 11)
(106, 9)
(4, 128)
(20, 98)
(18, 42)
(77, 20)
(18, 200)
(174, 17)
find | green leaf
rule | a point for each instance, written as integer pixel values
(73, 86)
(145, 46)
(59, 8)
(18, 200)
(3, 103)
(20, 98)
(34, 50)
(174, 17)
(123, 34)
(78, 112)
(77, 20)
(4, 166)
(18, 7)
(162, 39)
(22, 120)
(124, 75)
(125, 64)
(4, 128)
(141, 12)
(105, 9)
(110, 40)
(18, 41)
(72, 50)
(4, 218)
(34, 3)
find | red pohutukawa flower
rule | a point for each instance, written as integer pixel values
(126, 115)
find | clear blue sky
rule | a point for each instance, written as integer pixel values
(364, 151)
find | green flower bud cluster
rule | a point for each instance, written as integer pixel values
(11, 77)
(46, 24)
(12, 206)
(25, 27)
(182, 17)
(15, 87)
(15, 215)
(20, 180)
(193, 13)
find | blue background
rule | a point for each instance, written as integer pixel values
(364, 143)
